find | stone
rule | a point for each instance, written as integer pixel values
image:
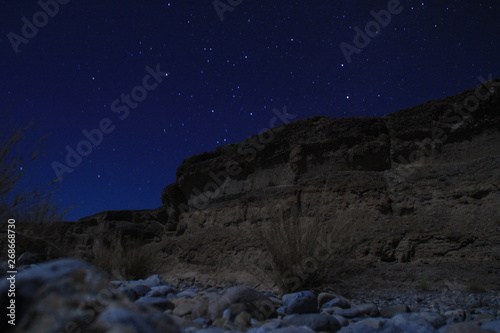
(276, 301)
(202, 321)
(162, 291)
(435, 320)
(391, 311)
(367, 325)
(484, 317)
(258, 305)
(455, 313)
(342, 321)
(158, 302)
(469, 327)
(211, 330)
(403, 328)
(340, 302)
(237, 308)
(233, 327)
(226, 314)
(371, 322)
(493, 325)
(129, 292)
(141, 289)
(186, 294)
(69, 295)
(254, 322)
(272, 324)
(281, 311)
(367, 329)
(153, 281)
(123, 319)
(300, 302)
(348, 313)
(325, 297)
(29, 282)
(183, 307)
(200, 309)
(454, 320)
(368, 309)
(292, 330)
(474, 301)
(183, 323)
(243, 319)
(316, 321)
(220, 322)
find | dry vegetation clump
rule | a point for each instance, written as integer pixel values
(126, 259)
(299, 246)
(40, 239)
(24, 203)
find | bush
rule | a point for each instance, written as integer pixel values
(299, 248)
(33, 205)
(41, 240)
(130, 261)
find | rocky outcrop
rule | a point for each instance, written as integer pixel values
(413, 197)
(416, 192)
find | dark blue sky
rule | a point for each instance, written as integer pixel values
(224, 78)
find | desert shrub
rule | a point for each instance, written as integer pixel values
(37, 205)
(128, 261)
(31, 204)
(41, 240)
(299, 247)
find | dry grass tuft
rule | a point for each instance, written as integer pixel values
(299, 248)
(130, 261)
(20, 202)
(34, 206)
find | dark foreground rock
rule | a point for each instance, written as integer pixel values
(71, 296)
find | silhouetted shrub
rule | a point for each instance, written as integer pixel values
(24, 204)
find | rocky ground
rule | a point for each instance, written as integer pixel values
(68, 295)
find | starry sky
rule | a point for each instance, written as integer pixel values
(154, 82)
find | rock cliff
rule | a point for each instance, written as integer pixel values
(412, 196)
(415, 193)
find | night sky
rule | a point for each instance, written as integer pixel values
(166, 80)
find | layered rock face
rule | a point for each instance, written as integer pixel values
(412, 197)
(415, 194)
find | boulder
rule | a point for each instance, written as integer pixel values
(300, 302)
(315, 321)
(70, 295)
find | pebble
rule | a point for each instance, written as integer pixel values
(315, 321)
(300, 302)
(141, 290)
(158, 302)
(391, 311)
(51, 294)
(339, 302)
